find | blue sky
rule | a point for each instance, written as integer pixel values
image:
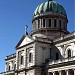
(14, 15)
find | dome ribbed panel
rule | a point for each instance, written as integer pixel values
(55, 8)
(36, 11)
(45, 6)
(47, 9)
(40, 10)
(50, 6)
(63, 12)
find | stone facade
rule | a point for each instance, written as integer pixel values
(49, 50)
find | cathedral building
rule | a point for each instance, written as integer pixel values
(49, 49)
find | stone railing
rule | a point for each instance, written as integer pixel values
(62, 61)
(10, 56)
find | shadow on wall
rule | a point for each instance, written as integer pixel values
(55, 54)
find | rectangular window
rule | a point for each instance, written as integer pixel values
(57, 56)
(49, 22)
(64, 24)
(55, 22)
(43, 22)
(59, 23)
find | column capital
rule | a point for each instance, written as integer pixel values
(74, 69)
(66, 70)
(53, 72)
(59, 72)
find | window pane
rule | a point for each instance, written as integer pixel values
(21, 60)
(57, 56)
(69, 53)
(55, 22)
(43, 22)
(30, 57)
(59, 23)
(49, 22)
(9, 68)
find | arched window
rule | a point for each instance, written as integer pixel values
(14, 66)
(57, 56)
(69, 53)
(22, 60)
(9, 68)
(30, 57)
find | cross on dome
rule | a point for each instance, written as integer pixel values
(26, 27)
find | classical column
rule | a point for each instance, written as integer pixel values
(74, 71)
(53, 73)
(67, 72)
(16, 74)
(60, 73)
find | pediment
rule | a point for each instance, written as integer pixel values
(24, 41)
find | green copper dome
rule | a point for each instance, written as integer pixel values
(49, 6)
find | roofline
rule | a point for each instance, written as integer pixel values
(37, 39)
(48, 14)
(20, 41)
(70, 35)
(10, 56)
